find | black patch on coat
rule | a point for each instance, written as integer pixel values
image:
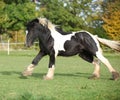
(81, 43)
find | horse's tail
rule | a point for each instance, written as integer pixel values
(110, 43)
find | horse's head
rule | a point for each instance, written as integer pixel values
(33, 30)
(37, 28)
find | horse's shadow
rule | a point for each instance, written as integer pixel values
(40, 75)
(9, 72)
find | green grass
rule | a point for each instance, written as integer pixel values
(70, 82)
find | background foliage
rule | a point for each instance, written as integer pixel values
(111, 19)
(72, 15)
(14, 15)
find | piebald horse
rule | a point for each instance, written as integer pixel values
(54, 42)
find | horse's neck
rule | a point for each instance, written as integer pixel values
(43, 38)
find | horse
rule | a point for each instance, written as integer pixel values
(53, 41)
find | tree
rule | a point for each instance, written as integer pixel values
(111, 19)
(74, 15)
(16, 1)
(14, 15)
(18, 15)
(70, 14)
(3, 16)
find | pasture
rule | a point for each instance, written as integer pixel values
(70, 82)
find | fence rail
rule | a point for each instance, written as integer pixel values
(11, 46)
(8, 46)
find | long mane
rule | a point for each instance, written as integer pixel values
(51, 26)
(46, 22)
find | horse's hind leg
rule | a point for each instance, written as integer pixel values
(96, 73)
(89, 57)
(115, 74)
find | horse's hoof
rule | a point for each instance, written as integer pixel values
(93, 77)
(27, 73)
(47, 78)
(115, 76)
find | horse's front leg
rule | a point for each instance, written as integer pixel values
(28, 71)
(50, 73)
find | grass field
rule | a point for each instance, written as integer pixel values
(70, 82)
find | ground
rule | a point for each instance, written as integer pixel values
(70, 82)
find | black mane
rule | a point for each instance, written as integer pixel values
(61, 31)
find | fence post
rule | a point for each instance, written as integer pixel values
(8, 47)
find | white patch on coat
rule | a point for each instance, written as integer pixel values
(59, 40)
